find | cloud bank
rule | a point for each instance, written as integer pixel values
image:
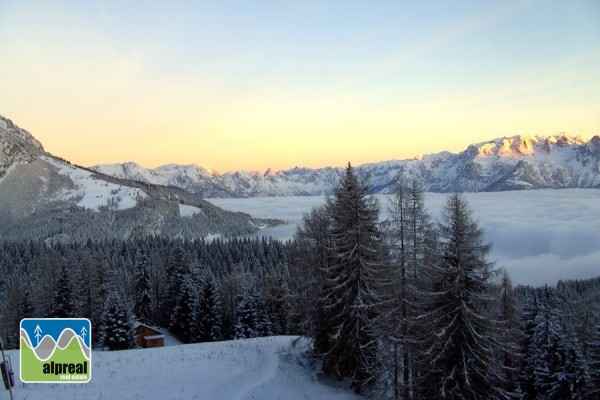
(539, 236)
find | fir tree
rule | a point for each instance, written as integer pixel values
(143, 287)
(558, 368)
(246, 317)
(116, 326)
(184, 318)
(177, 268)
(460, 347)
(528, 349)
(508, 321)
(594, 364)
(409, 232)
(353, 284)
(63, 305)
(312, 258)
(209, 312)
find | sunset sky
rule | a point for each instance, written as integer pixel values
(256, 84)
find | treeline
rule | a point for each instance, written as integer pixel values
(414, 309)
(408, 307)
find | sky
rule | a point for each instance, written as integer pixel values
(239, 85)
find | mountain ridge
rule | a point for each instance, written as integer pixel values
(507, 163)
(44, 197)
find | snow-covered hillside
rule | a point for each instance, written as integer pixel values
(262, 368)
(515, 163)
(43, 197)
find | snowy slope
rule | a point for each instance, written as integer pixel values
(515, 163)
(92, 193)
(262, 368)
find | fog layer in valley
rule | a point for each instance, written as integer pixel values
(539, 236)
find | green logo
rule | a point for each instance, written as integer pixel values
(56, 350)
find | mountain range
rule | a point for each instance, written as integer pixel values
(44, 197)
(509, 163)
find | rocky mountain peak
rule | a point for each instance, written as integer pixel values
(17, 146)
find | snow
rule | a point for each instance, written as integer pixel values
(186, 211)
(261, 368)
(94, 193)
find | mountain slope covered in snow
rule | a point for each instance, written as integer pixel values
(43, 197)
(514, 163)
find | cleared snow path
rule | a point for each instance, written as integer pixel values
(263, 368)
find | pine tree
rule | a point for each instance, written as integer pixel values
(353, 284)
(143, 287)
(246, 317)
(312, 258)
(63, 304)
(116, 326)
(508, 321)
(409, 232)
(184, 322)
(558, 368)
(209, 312)
(528, 349)
(594, 364)
(460, 348)
(177, 268)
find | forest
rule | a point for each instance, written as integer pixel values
(407, 307)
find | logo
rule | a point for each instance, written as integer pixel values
(56, 350)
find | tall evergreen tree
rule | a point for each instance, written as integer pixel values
(247, 317)
(184, 322)
(62, 306)
(594, 364)
(143, 288)
(312, 257)
(352, 295)
(460, 346)
(209, 312)
(409, 232)
(508, 320)
(528, 349)
(177, 268)
(558, 368)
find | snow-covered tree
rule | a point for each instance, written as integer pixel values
(354, 279)
(142, 307)
(116, 324)
(62, 306)
(458, 360)
(247, 317)
(558, 370)
(594, 364)
(508, 320)
(408, 233)
(312, 257)
(209, 312)
(184, 322)
(177, 268)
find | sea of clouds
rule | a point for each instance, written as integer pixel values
(539, 236)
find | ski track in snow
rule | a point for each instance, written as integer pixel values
(260, 369)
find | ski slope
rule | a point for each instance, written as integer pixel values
(261, 368)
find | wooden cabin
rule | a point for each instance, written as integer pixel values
(147, 336)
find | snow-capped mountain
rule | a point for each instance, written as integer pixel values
(47, 198)
(515, 163)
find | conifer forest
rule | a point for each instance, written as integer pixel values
(405, 308)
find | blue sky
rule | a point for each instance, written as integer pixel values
(251, 85)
